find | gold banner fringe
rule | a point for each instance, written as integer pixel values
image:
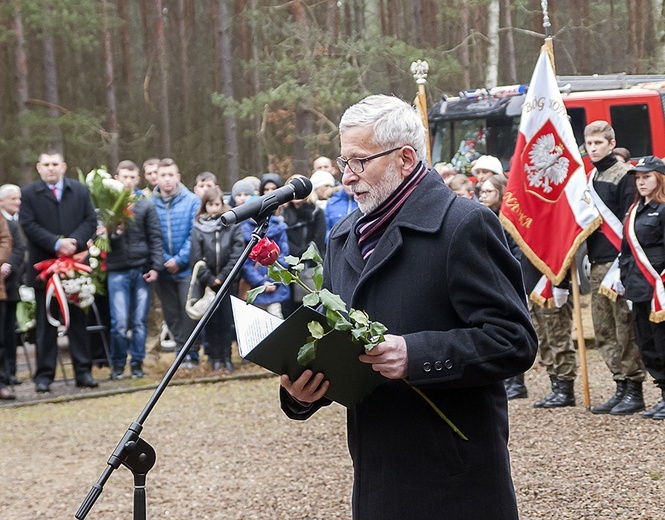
(657, 317)
(608, 292)
(556, 278)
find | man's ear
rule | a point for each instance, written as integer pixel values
(408, 160)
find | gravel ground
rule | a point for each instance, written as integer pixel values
(225, 451)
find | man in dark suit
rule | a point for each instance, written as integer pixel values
(58, 218)
(435, 269)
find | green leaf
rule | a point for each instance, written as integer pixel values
(343, 324)
(253, 293)
(359, 317)
(280, 275)
(316, 329)
(358, 333)
(377, 328)
(371, 345)
(311, 300)
(291, 260)
(317, 277)
(331, 316)
(307, 352)
(298, 267)
(332, 301)
(312, 253)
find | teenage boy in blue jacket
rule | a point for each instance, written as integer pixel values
(176, 208)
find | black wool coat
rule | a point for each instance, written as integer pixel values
(442, 277)
(650, 232)
(44, 220)
(141, 243)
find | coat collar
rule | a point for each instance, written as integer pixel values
(42, 187)
(431, 198)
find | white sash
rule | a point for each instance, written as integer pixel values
(652, 276)
(613, 230)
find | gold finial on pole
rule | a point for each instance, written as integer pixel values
(419, 70)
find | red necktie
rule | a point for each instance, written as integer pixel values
(55, 191)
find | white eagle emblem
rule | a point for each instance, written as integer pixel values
(547, 164)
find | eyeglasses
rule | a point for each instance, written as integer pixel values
(357, 165)
(486, 192)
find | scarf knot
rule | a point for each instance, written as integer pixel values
(370, 228)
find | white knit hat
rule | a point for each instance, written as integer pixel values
(488, 162)
(321, 178)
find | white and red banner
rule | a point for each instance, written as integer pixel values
(547, 207)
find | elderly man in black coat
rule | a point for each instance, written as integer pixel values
(436, 270)
(58, 219)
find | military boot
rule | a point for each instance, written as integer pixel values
(658, 411)
(564, 396)
(516, 388)
(632, 401)
(555, 388)
(614, 400)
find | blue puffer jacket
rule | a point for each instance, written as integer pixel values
(176, 215)
(339, 205)
(255, 273)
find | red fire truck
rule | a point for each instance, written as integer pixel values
(485, 121)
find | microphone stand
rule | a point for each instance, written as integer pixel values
(132, 451)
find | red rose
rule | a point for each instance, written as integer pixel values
(265, 252)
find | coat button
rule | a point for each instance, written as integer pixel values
(438, 366)
(427, 366)
(448, 364)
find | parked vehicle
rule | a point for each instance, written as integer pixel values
(481, 121)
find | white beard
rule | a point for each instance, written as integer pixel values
(379, 193)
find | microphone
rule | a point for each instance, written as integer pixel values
(297, 188)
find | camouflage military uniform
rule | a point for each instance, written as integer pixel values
(614, 332)
(612, 322)
(555, 344)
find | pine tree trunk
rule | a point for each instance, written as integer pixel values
(464, 50)
(230, 126)
(162, 63)
(125, 48)
(492, 75)
(510, 42)
(332, 23)
(51, 80)
(22, 94)
(633, 17)
(257, 157)
(659, 33)
(110, 89)
(304, 120)
(184, 72)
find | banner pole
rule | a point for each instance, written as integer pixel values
(420, 70)
(581, 345)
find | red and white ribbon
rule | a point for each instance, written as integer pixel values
(612, 228)
(50, 272)
(652, 276)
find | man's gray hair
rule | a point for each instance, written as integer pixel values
(395, 122)
(8, 189)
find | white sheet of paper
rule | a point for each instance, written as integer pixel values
(253, 324)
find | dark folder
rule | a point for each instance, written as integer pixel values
(336, 356)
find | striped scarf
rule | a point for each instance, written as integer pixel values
(370, 228)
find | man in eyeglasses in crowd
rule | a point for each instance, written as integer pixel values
(436, 270)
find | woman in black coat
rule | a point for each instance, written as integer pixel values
(220, 247)
(642, 262)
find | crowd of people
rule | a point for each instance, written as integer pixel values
(175, 228)
(624, 273)
(175, 233)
